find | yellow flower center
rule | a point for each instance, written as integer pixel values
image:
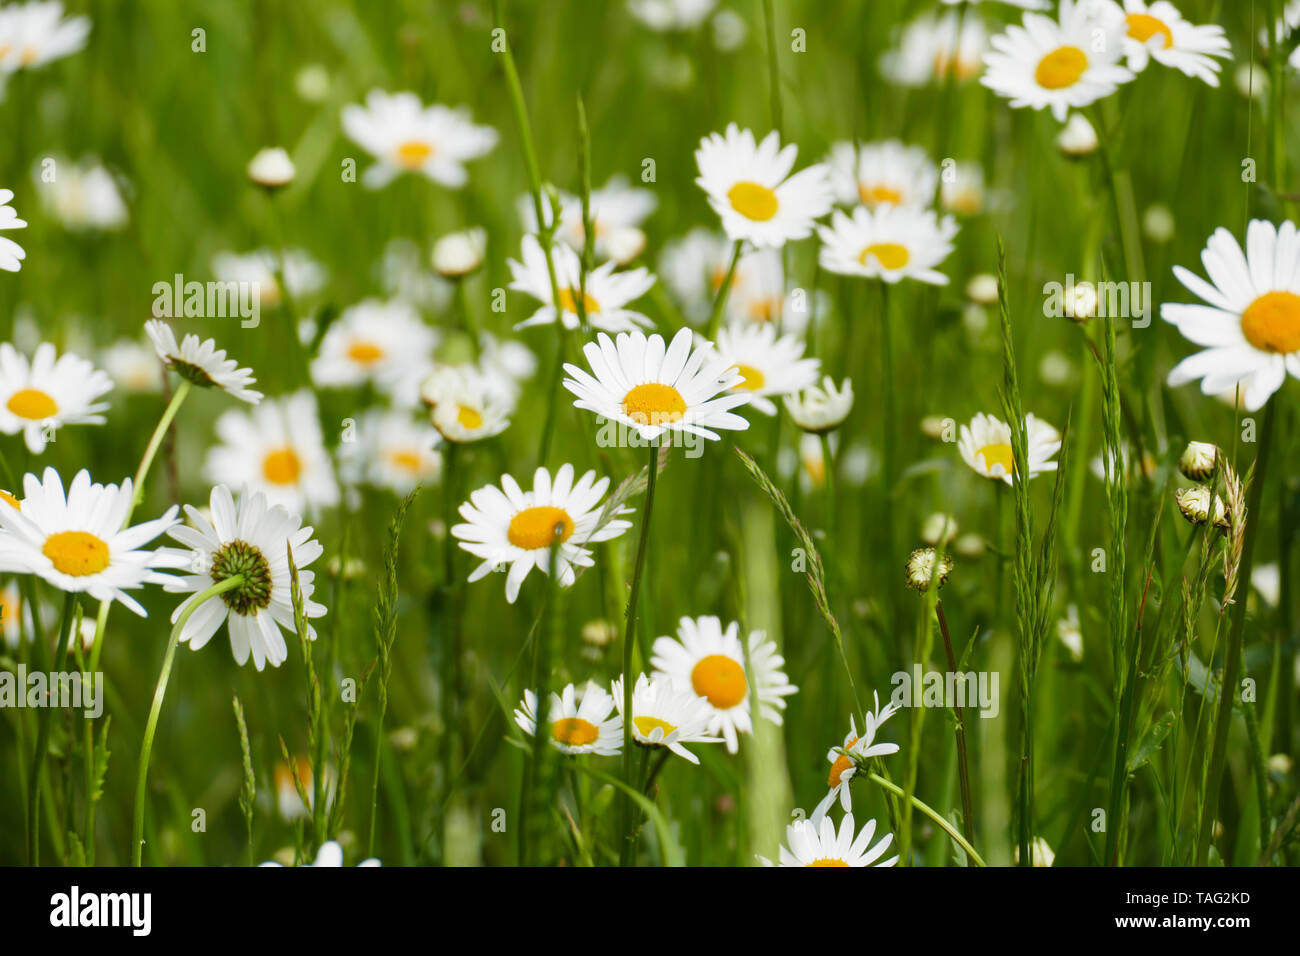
(1061, 68)
(646, 726)
(5, 496)
(1143, 26)
(842, 762)
(968, 202)
(879, 195)
(282, 467)
(575, 731)
(751, 378)
(766, 309)
(30, 55)
(365, 353)
(569, 302)
(413, 154)
(1272, 322)
(891, 255)
(469, 418)
(719, 680)
(76, 553)
(534, 528)
(406, 459)
(827, 861)
(654, 404)
(753, 201)
(32, 404)
(999, 454)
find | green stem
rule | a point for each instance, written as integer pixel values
(43, 738)
(773, 72)
(720, 299)
(934, 815)
(963, 764)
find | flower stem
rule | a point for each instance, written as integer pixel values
(963, 763)
(933, 814)
(155, 441)
(720, 299)
(773, 72)
(43, 737)
(160, 691)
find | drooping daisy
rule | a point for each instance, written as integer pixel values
(821, 408)
(887, 173)
(985, 445)
(49, 392)
(604, 298)
(11, 254)
(769, 366)
(275, 448)
(201, 363)
(656, 389)
(404, 135)
(252, 538)
(382, 343)
(617, 212)
(388, 450)
(711, 661)
(666, 714)
(1058, 64)
(302, 274)
(864, 747)
(81, 196)
(1158, 31)
(890, 243)
(79, 542)
(930, 49)
(815, 842)
(750, 187)
(33, 34)
(509, 526)
(466, 405)
(1251, 322)
(576, 726)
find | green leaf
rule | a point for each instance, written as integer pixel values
(1151, 741)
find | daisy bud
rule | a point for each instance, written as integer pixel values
(458, 254)
(1070, 633)
(1040, 853)
(938, 528)
(982, 289)
(922, 565)
(1280, 764)
(1194, 503)
(1078, 138)
(1158, 223)
(312, 83)
(1198, 461)
(599, 633)
(970, 546)
(271, 169)
(1251, 81)
(934, 427)
(1081, 302)
(821, 408)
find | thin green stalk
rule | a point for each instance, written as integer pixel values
(963, 764)
(43, 737)
(720, 298)
(934, 815)
(773, 70)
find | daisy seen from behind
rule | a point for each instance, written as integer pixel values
(985, 445)
(666, 714)
(579, 723)
(201, 363)
(890, 243)
(47, 393)
(466, 405)
(603, 301)
(844, 760)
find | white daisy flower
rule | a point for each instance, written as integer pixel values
(711, 661)
(1022, 4)
(1158, 31)
(275, 448)
(985, 445)
(657, 389)
(666, 15)
(79, 542)
(81, 196)
(388, 450)
(962, 192)
(11, 254)
(49, 392)
(404, 135)
(381, 343)
(201, 363)
(604, 299)
(1251, 324)
(815, 842)
(855, 747)
(666, 714)
(252, 538)
(617, 212)
(887, 173)
(750, 187)
(457, 254)
(506, 362)
(891, 243)
(769, 366)
(821, 408)
(132, 365)
(1059, 64)
(467, 405)
(509, 526)
(271, 168)
(695, 266)
(329, 855)
(930, 49)
(302, 274)
(33, 34)
(577, 726)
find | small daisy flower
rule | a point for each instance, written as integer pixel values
(663, 16)
(132, 365)
(577, 726)
(815, 842)
(49, 392)
(381, 343)
(79, 542)
(617, 212)
(768, 365)
(1056, 63)
(665, 714)
(330, 855)
(252, 538)
(1070, 633)
(657, 389)
(844, 765)
(821, 408)
(1251, 322)
(1158, 31)
(509, 526)
(750, 187)
(388, 450)
(83, 196)
(33, 34)
(275, 448)
(404, 135)
(985, 445)
(604, 299)
(466, 404)
(695, 266)
(890, 243)
(11, 254)
(201, 363)
(962, 192)
(302, 274)
(711, 661)
(930, 49)
(887, 173)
